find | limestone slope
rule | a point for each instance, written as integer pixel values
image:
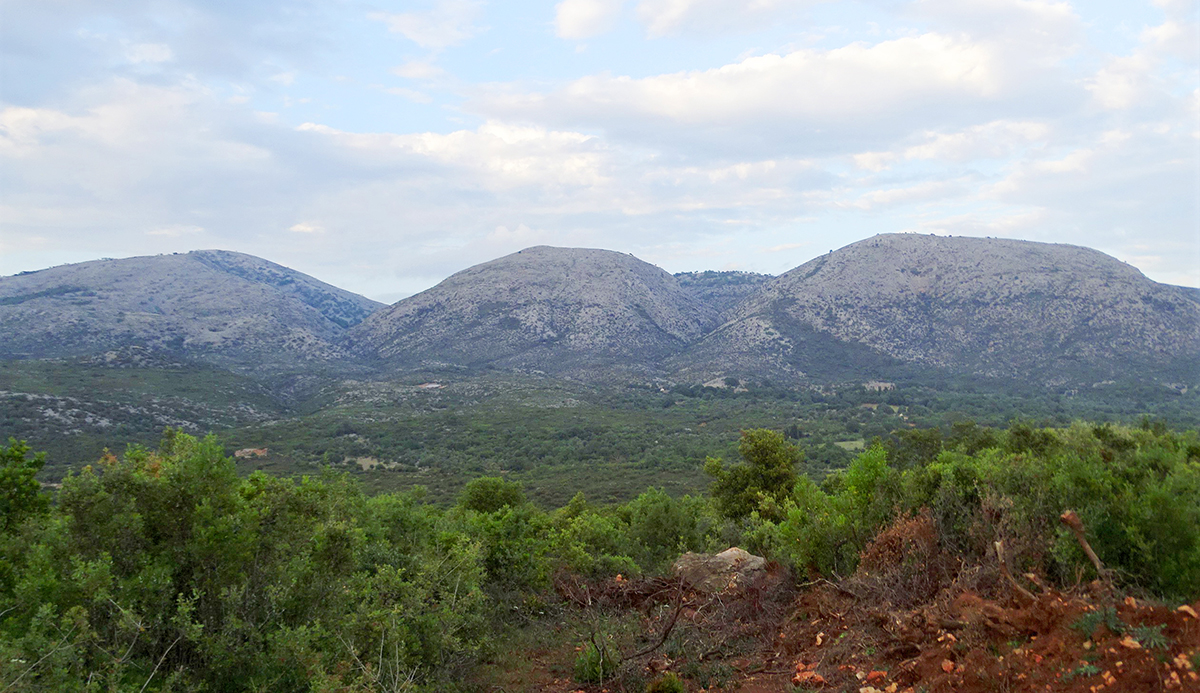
(1053, 313)
(221, 307)
(590, 313)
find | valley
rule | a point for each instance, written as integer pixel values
(265, 481)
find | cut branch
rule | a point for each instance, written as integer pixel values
(1071, 520)
(666, 631)
(1012, 580)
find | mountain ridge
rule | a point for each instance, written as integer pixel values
(549, 309)
(216, 306)
(992, 307)
(886, 306)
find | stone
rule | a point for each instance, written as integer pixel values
(730, 569)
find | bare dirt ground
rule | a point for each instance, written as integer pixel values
(911, 620)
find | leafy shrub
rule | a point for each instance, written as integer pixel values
(1151, 637)
(595, 664)
(762, 482)
(168, 558)
(667, 683)
(1136, 491)
(1086, 624)
(594, 545)
(487, 494)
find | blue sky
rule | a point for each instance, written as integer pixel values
(383, 146)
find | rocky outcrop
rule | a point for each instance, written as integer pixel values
(731, 569)
(722, 290)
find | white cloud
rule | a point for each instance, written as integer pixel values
(418, 69)
(1176, 38)
(663, 17)
(1122, 82)
(447, 23)
(410, 94)
(847, 89)
(306, 227)
(581, 19)
(1051, 28)
(995, 140)
(959, 117)
(500, 155)
(148, 53)
(921, 192)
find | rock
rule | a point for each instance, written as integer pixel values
(227, 309)
(574, 311)
(1041, 312)
(729, 569)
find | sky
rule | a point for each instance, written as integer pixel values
(382, 146)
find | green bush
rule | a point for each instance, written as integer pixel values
(487, 494)
(667, 683)
(764, 479)
(595, 664)
(1137, 492)
(168, 558)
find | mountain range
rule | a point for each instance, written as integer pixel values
(884, 307)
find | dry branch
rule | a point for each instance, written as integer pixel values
(1071, 520)
(1012, 580)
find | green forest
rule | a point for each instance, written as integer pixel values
(166, 569)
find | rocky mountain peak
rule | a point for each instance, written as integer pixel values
(542, 308)
(986, 306)
(211, 305)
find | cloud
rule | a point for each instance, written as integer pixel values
(410, 94)
(801, 102)
(663, 17)
(995, 140)
(176, 230)
(447, 23)
(496, 155)
(418, 69)
(165, 127)
(1122, 82)
(788, 246)
(581, 19)
(149, 53)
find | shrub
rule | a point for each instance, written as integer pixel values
(595, 664)
(667, 683)
(763, 482)
(487, 494)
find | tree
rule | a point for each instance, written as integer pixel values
(762, 482)
(487, 494)
(21, 494)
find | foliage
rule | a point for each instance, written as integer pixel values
(1137, 492)
(1086, 624)
(764, 479)
(596, 663)
(166, 569)
(1083, 670)
(1151, 637)
(20, 493)
(490, 493)
(165, 566)
(667, 683)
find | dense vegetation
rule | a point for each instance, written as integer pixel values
(554, 436)
(166, 570)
